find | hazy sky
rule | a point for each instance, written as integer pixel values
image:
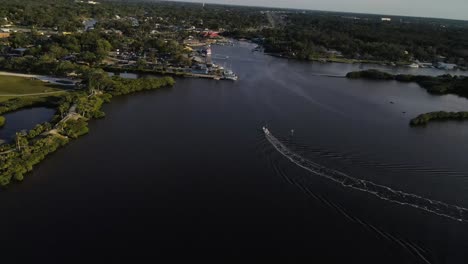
(455, 9)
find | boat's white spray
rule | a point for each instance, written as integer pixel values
(383, 192)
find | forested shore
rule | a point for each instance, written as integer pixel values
(73, 112)
(443, 84)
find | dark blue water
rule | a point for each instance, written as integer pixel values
(25, 119)
(187, 173)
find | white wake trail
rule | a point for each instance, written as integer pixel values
(383, 192)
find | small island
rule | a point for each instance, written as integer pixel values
(443, 84)
(440, 85)
(424, 119)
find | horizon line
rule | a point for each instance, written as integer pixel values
(308, 9)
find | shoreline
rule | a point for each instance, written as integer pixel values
(330, 60)
(356, 61)
(74, 112)
(163, 73)
(352, 61)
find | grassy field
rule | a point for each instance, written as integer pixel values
(12, 87)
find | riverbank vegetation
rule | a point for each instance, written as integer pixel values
(2, 121)
(424, 119)
(29, 153)
(370, 74)
(24, 102)
(74, 111)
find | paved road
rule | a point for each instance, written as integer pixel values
(32, 94)
(3, 73)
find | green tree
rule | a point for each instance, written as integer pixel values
(103, 49)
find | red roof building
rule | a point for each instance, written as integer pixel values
(211, 34)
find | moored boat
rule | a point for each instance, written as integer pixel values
(230, 75)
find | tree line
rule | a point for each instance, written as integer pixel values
(443, 84)
(424, 119)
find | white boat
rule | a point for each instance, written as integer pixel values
(229, 75)
(266, 131)
(413, 65)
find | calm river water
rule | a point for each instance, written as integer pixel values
(187, 173)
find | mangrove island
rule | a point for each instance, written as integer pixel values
(438, 116)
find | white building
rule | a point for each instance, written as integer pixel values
(386, 19)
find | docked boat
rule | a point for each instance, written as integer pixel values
(230, 75)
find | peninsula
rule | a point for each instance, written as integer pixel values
(74, 109)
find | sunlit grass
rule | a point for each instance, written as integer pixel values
(13, 87)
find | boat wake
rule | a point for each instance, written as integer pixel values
(383, 192)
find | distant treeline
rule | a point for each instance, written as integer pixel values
(311, 35)
(443, 84)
